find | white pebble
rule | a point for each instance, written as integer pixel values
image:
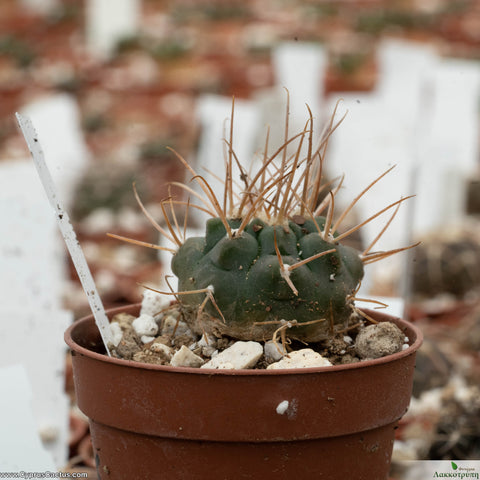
(239, 355)
(153, 303)
(206, 340)
(282, 407)
(117, 333)
(147, 338)
(186, 358)
(145, 325)
(301, 359)
(348, 339)
(207, 343)
(405, 346)
(274, 351)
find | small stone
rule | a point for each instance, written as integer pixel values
(274, 351)
(240, 355)
(156, 353)
(288, 408)
(145, 325)
(208, 345)
(153, 303)
(304, 358)
(207, 340)
(158, 347)
(282, 407)
(147, 338)
(186, 358)
(117, 333)
(208, 351)
(172, 324)
(379, 340)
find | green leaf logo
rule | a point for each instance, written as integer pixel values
(454, 466)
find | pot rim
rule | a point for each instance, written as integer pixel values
(403, 324)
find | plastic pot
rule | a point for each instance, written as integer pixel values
(155, 422)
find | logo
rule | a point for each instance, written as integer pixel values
(438, 469)
(459, 470)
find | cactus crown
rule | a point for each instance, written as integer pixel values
(271, 257)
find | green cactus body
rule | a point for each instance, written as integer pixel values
(244, 274)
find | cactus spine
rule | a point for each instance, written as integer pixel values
(271, 257)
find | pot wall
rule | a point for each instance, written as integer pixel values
(192, 423)
(162, 458)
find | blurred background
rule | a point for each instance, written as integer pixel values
(110, 84)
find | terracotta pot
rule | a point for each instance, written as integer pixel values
(150, 421)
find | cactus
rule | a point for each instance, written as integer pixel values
(263, 275)
(271, 257)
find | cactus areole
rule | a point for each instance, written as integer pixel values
(271, 258)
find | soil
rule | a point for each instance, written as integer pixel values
(364, 342)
